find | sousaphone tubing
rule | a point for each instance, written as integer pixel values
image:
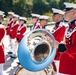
(35, 51)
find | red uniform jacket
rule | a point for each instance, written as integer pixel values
(21, 32)
(9, 27)
(36, 25)
(2, 56)
(13, 30)
(58, 32)
(68, 58)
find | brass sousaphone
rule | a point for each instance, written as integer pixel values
(35, 51)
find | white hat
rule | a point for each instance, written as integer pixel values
(43, 17)
(57, 11)
(35, 15)
(69, 6)
(22, 18)
(1, 14)
(1, 11)
(12, 13)
(15, 15)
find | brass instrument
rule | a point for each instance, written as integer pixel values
(35, 51)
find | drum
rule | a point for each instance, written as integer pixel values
(21, 71)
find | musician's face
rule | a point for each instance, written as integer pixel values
(15, 19)
(10, 16)
(34, 20)
(68, 15)
(57, 17)
(1, 18)
(43, 22)
(21, 22)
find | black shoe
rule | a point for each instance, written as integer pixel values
(9, 52)
(13, 56)
(18, 63)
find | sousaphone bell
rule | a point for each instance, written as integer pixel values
(35, 51)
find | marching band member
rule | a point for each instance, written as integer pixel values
(10, 16)
(2, 55)
(35, 18)
(43, 22)
(8, 28)
(68, 57)
(59, 28)
(13, 34)
(58, 31)
(21, 29)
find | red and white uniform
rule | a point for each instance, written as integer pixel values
(59, 32)
(9, 26)
(2, 55)
(21, 32)
(13, 30)
(36, 25)
(13, 34)
(68, 58)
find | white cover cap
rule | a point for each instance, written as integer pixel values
(43, 17)
(23, 18)
(58, 11)
(35, 15)
(15, 15)
(69, 6)
(12, 13)
(2, 12)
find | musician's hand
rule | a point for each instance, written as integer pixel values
(55, 44)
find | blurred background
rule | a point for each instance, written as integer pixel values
(26, 7)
